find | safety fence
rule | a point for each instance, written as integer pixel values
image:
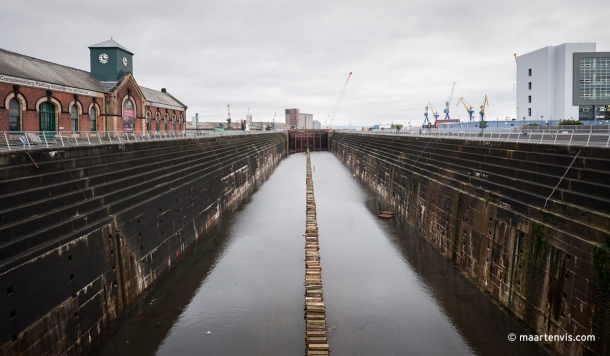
(26, 140)
(598, 136)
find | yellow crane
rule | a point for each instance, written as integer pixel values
(483, 107)
(434, 112)
(468, 107)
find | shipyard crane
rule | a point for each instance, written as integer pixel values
(335, 108)
(427, 123)
(434, 113)
(483, 107)
(469, 109)
(448, 103)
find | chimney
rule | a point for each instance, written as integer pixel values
(163, 90)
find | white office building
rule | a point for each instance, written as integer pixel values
(305, 121)
(545, 82)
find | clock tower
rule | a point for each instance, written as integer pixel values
(110, 60)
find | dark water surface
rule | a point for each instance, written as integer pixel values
(240, 291)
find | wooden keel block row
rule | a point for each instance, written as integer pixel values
(316, 338)
(315, 324)
(320, 347)
(314, 310)
(317, 353)
(312, 299)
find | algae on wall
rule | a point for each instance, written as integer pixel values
(601, 264)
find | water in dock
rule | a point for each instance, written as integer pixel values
(386, 291)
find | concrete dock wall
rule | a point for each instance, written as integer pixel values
(84, 235)
(480, 204)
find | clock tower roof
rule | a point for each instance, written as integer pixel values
(110, 44)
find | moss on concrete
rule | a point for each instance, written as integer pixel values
(601, 263)
(539, 240)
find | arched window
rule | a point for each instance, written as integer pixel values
(74, 118)
(147, 121)
(173, 122)
(165, 122)
(93, 119)
(157, 123)
(14, 115)
(180, 123)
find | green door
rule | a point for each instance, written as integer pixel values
(47, 120)
(47, 117)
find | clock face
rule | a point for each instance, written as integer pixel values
(103, 58)
(124, 61)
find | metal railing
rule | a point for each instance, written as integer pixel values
(598, 136)
(26, 140)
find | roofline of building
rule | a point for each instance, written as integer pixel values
(120, 46)
(42, 60)
(181, 103)
(152, 103)
(123, 79)
(566, 43)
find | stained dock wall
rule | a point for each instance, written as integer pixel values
(482, 204)
(84, 235)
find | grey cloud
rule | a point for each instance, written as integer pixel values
(272, 55)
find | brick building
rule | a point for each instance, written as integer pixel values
(36, 95)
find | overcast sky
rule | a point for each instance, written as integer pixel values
(269, 55)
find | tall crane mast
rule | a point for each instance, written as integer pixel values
(468, 107)
(483, 107)
(434, 112)
(426, 123)
(335, 108)
(448, 103)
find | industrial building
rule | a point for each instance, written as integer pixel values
(37, 95)
(305, 121)
(569, 81)
(292, 117)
